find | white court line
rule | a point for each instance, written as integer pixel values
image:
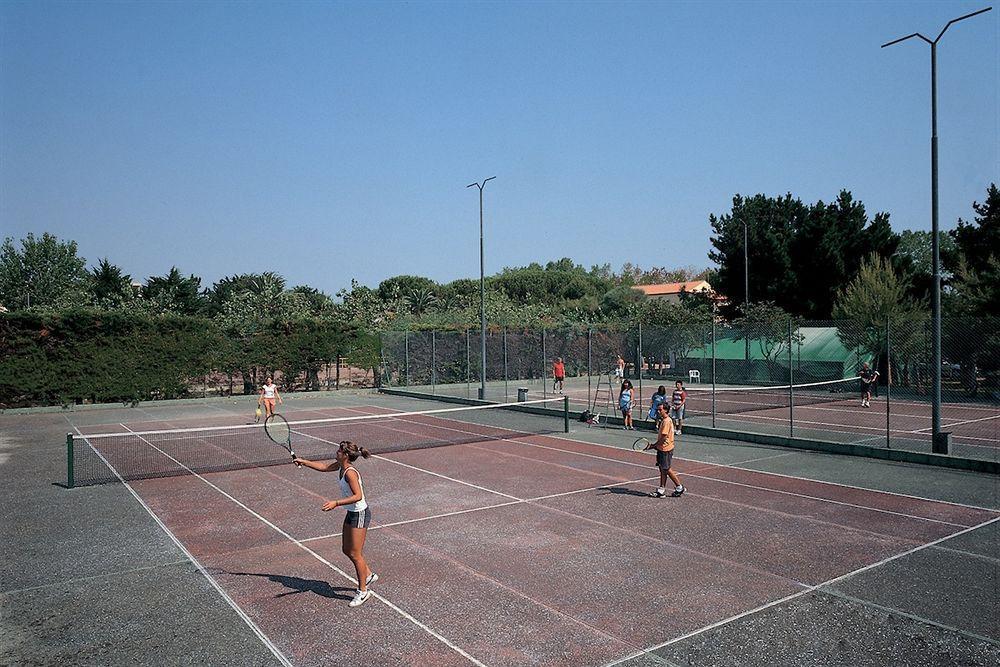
(490, 507)
(318, 557)
(797, 594)
(211, 580)
(616, 448)
(745, 416)
(968, 421)
(714, 479)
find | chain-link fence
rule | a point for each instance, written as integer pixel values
(796, 378)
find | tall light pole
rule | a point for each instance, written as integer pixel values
(939, 440)
(482, 290)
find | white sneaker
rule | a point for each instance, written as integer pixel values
(359, 598)
(372, 578)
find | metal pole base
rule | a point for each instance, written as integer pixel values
(482, 394)
(941, 443)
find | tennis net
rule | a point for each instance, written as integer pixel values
(133, 455)
(736, 400)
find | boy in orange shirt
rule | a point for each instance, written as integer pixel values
(664, 447)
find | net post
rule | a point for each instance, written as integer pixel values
(565, 414)
(69, 461)
(791, 384)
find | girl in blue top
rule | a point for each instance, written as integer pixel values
(625, 404)
(659, 397)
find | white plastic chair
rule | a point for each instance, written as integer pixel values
(694, 376)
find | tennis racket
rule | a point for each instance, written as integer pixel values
(641, 444)
(278, 431)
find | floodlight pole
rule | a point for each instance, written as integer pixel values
(939, 440)
(746, 265)
(482, 290)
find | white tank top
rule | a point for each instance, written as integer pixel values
(345, 489)
(269, 390)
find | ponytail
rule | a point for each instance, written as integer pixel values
(353, 451)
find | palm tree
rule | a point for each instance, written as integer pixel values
(421, 300)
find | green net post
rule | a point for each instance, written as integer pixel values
(566, 414)
(69, 460)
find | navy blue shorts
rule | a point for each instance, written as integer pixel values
(664, 459)
(359, 519)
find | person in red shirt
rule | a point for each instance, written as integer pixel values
(678, 401)
(558, 374)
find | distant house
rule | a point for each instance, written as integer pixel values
(671, 292)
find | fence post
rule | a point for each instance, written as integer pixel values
(713, 370)
(506, 392)
(638, 359)
(590, 361)
(433, 362)
(406, 355)
(888, 385)
(566, 414)
(545, 376)
(791, 384)
(468, 366)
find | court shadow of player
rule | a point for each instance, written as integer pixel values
(621, 491)
(298, 585)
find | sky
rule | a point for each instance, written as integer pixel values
(334, 141)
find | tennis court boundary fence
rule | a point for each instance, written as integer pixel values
(790, 442)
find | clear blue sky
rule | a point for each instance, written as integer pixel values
(330, 141)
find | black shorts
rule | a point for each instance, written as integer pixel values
(664, 459)
(359, 519)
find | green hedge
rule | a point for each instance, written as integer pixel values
(88, 356)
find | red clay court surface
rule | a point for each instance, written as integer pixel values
(537, 550)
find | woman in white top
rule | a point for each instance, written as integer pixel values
(268, 394)
(359, 516)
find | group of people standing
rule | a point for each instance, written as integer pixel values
(674, 405)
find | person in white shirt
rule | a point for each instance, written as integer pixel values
(268, 395)
(359, 515)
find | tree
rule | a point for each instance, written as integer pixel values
(878, 298)
(174, 293)
(766, 326)
(45, 273)
(770, 225)
(421, 300)
(836, 237)
(787, 242)
(914, 260)
(975, 259)
(110, 286)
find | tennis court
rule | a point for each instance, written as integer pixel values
(827, 411)
(499, 540)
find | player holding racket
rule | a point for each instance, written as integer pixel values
(868, 378)
(268, 394)
(558, 374)
(359, 515)
(664, 447)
